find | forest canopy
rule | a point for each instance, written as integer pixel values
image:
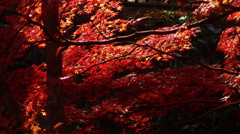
(111, 66)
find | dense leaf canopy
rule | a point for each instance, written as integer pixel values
(100, 66)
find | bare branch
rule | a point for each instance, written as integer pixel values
(201, 116)
(29, 21)
(149, 32)
(131, 36)
(120, 38)
(159, 6)
(163, 106)
(169, 105)
(44, 30)
(14, 37)
(98, 30)
(111, 59)
(210, 67)
(177, 55)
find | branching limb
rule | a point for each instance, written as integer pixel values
(177, 55)
(29, 21)
(149, 32)
(159, 107)
(153, 5)
(115, 58)
(14, 37)
(98, 30)
(169, 105)
(199, 117)
(210, 67)
(131, 36)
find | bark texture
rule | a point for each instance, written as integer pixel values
(54, 69)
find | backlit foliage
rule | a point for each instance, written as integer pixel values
(111, 88)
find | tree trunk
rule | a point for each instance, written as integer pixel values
(10, 102)
(54, 69)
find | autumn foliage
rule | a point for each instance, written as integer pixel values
(119, 74)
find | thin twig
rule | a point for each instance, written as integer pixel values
(177, 55)
(115, 58)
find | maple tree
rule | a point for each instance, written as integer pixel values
(105, 74)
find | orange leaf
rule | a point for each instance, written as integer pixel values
(57, 125)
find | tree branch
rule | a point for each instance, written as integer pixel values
(29, 21)
(131, 36)
(163, 106)
(149, 32)
(14, 37)
(89, 68)
(160, 6)
(177, 55)
(201, 116)
(169, 105)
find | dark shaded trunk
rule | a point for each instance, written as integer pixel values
(10, 102)
(54, 86)
(54, 70)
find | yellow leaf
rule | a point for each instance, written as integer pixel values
(35, 129)
(159, 58)
(42, 45)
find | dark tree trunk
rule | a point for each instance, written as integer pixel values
(10, 102)
(54, 70)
